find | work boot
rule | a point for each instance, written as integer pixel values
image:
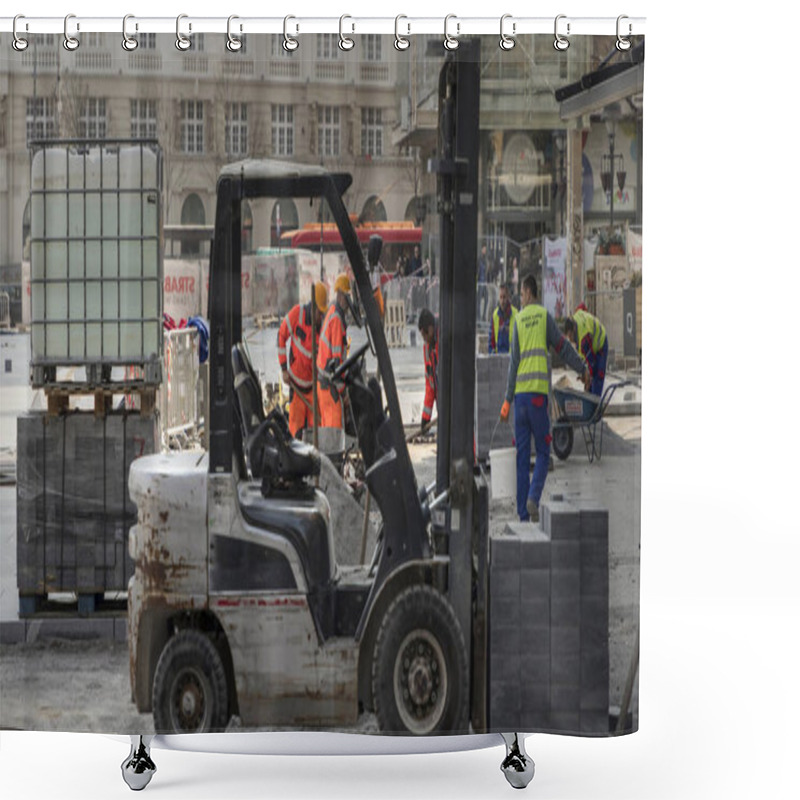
(533, 510)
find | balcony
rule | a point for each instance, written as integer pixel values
(284, 69)
(195, 64)
(329, 70)
(145, 62)
(374, 73)
(91, 61)
(238, 68)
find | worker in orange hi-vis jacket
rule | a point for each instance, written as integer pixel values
(331, 354)
(428, 328)
(295, 349)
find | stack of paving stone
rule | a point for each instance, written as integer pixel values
(491, 378)
(548, 623)
(73, 507)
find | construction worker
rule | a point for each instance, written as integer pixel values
(588, 335)
(430, 335)
(296, 367)
(533, 331)
(502, 320)
(331, 353)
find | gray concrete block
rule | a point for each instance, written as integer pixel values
(534, 583)
(594, 582)
(69, 628)
(565, 583)
(505, 640)
(594, 669)
(594, 637)
(536, 556)
(565, 697)
(534, 641)
(120, 629)
(535, 696)
(565, 611)
(503, 669)
(594, 553)
(595, 699)
(565, 670)
(595, 722)
(565, 721)
(504, 706)
(565, 554)
(565, 641)
(533, 721)
(535, 667)
(12, 632)
(594, 523)
(561, 520)
(504, 611)
(534, 610)
(504, 551)
(504, 583)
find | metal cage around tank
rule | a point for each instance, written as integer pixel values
(96, 258)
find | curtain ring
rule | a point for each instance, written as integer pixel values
(507, 42)
(561, 43)
(128, 42)
(400, 42)
(182, 42)
(623, 43)
(450, 42)
(70, 42)
(290, 44)
(19, 44)
(234, 44)
(345, 43)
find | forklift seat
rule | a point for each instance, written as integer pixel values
(272, 453)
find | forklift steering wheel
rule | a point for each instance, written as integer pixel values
(349, 362)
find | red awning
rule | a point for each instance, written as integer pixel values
(331, 238)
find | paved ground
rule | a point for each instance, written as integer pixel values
(83, 685)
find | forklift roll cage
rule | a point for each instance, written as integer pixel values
(405, 529)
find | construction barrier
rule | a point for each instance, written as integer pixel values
(178, 393)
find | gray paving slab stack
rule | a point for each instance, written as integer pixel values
(548, 623)
(491, 377)
(73, 507)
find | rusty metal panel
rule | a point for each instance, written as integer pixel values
(283, 676)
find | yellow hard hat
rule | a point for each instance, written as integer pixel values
(342, 284)
(321, 296)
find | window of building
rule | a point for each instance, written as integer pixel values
(192, 213)
(374, 210)
(147, 41)
(277, 50)
(236, 129)
(40, 118)
(327, 46)
(192, 126)
(284, 218)
(282, 130)
(372, 47)
(371, 132)
(143, 119)
(329, 131)
(92, 123)
(198, 42)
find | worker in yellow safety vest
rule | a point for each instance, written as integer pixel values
(588, 335)
(502, 321)
(532, 332)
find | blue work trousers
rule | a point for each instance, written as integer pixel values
(599, 370)
(531, 420)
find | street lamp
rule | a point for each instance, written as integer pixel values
(608, 166)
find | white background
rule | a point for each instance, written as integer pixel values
(720, 603)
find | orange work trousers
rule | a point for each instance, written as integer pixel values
(300, 415)
(330, 410)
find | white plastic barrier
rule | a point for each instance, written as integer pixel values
(178, 393)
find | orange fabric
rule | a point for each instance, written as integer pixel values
(378, 294)
(330, 410)
(332, 339)
(431, 355)
(295, 346)
(300, 415)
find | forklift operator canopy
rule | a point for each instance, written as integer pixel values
(266, 178)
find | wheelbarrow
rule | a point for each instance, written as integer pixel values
(577, 409)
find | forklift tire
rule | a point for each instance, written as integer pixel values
(419, 666)
(190, 691)
(562, 439)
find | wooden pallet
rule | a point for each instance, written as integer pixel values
(261, 321)
(142, 398)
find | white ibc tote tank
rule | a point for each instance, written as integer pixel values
(94, 231)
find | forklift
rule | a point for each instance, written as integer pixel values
(237, 605)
